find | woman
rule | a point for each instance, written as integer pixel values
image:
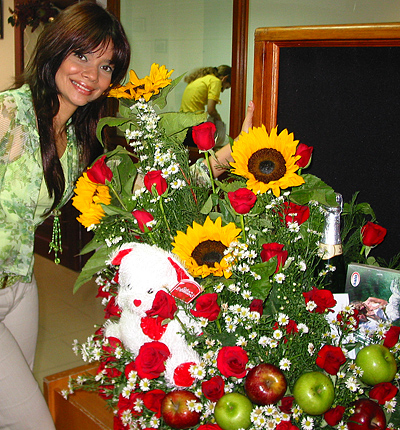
(202, 94)
(47, 138)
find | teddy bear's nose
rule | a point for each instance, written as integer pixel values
(137, 303)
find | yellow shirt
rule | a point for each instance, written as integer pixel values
(198, 92)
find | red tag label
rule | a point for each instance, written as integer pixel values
(186, 290)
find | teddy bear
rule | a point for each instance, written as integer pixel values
(146, 274)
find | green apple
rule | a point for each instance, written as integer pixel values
(314, 393)
(232, 411)
(377, 363)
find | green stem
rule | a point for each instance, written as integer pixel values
(243, 230)
(165, 217)
(117, 196)
(210, 172)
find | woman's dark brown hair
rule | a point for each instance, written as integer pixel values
(81, 28)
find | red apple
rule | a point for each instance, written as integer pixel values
(368, 415)
(265, 384)
(175, 411)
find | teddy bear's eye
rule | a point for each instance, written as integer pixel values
(150, 291)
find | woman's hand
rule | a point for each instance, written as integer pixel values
(223, 155)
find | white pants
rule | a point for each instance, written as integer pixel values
(22, 405)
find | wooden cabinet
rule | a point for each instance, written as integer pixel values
(82, 410)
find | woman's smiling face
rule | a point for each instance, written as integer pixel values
(82, 78)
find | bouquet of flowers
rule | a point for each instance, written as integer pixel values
(271, 351)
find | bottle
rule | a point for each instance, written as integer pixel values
(331, 250)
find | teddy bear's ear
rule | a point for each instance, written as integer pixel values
(117, 259)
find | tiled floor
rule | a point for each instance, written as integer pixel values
(63, 317)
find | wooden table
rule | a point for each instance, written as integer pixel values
(83, 410)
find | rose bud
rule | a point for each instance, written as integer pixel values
(204, 135)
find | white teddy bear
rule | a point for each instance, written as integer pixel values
(145, 270)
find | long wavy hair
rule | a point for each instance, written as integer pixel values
(219, 72)
(83, 27)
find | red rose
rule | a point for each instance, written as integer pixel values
(131, 367)
(100, 172)
(152, 400)
(143, 217)
(391, 337)
(112, 309)
(129, 403)
(182, 376)
(343, 319)
(322, 298)
(287, 404)
(163, 306)
(150, 360)
(232, 360)
(257, 305)
(108, 368)
(305, 153)
(273, 249)
(213, 389)
(372, 234)
(155, 178)
(207, 307)
(153, 327)
(110, 346)
(295, 213)
(209, 427)
(286, 425)
(383, 392)
(334, 416)
(204, 135)
(242, 200)
(330, 358)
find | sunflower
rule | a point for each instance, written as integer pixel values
(203, 248)
(268, 162)
(137, 88)
(88, 198)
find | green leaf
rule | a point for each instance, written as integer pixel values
(160, 99)
(114, 210)
(111, 122)
(175, 122)
(92, 246)
(231, 186)
(208, 206)
(313, 189)
(260, 288)
(92, 266)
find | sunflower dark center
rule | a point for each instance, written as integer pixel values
(267, 165)
(209, 252)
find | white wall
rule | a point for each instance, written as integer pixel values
(281, 13)
(7, 69)
(184, 34)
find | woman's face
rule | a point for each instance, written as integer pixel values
(83, 78)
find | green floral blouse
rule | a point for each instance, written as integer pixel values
(21, 176)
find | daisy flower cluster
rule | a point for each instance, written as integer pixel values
(252, 243)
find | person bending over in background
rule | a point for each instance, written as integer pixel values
(202, 95)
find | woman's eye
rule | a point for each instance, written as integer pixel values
(108, 69)
(80, 56)
(150, 291)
